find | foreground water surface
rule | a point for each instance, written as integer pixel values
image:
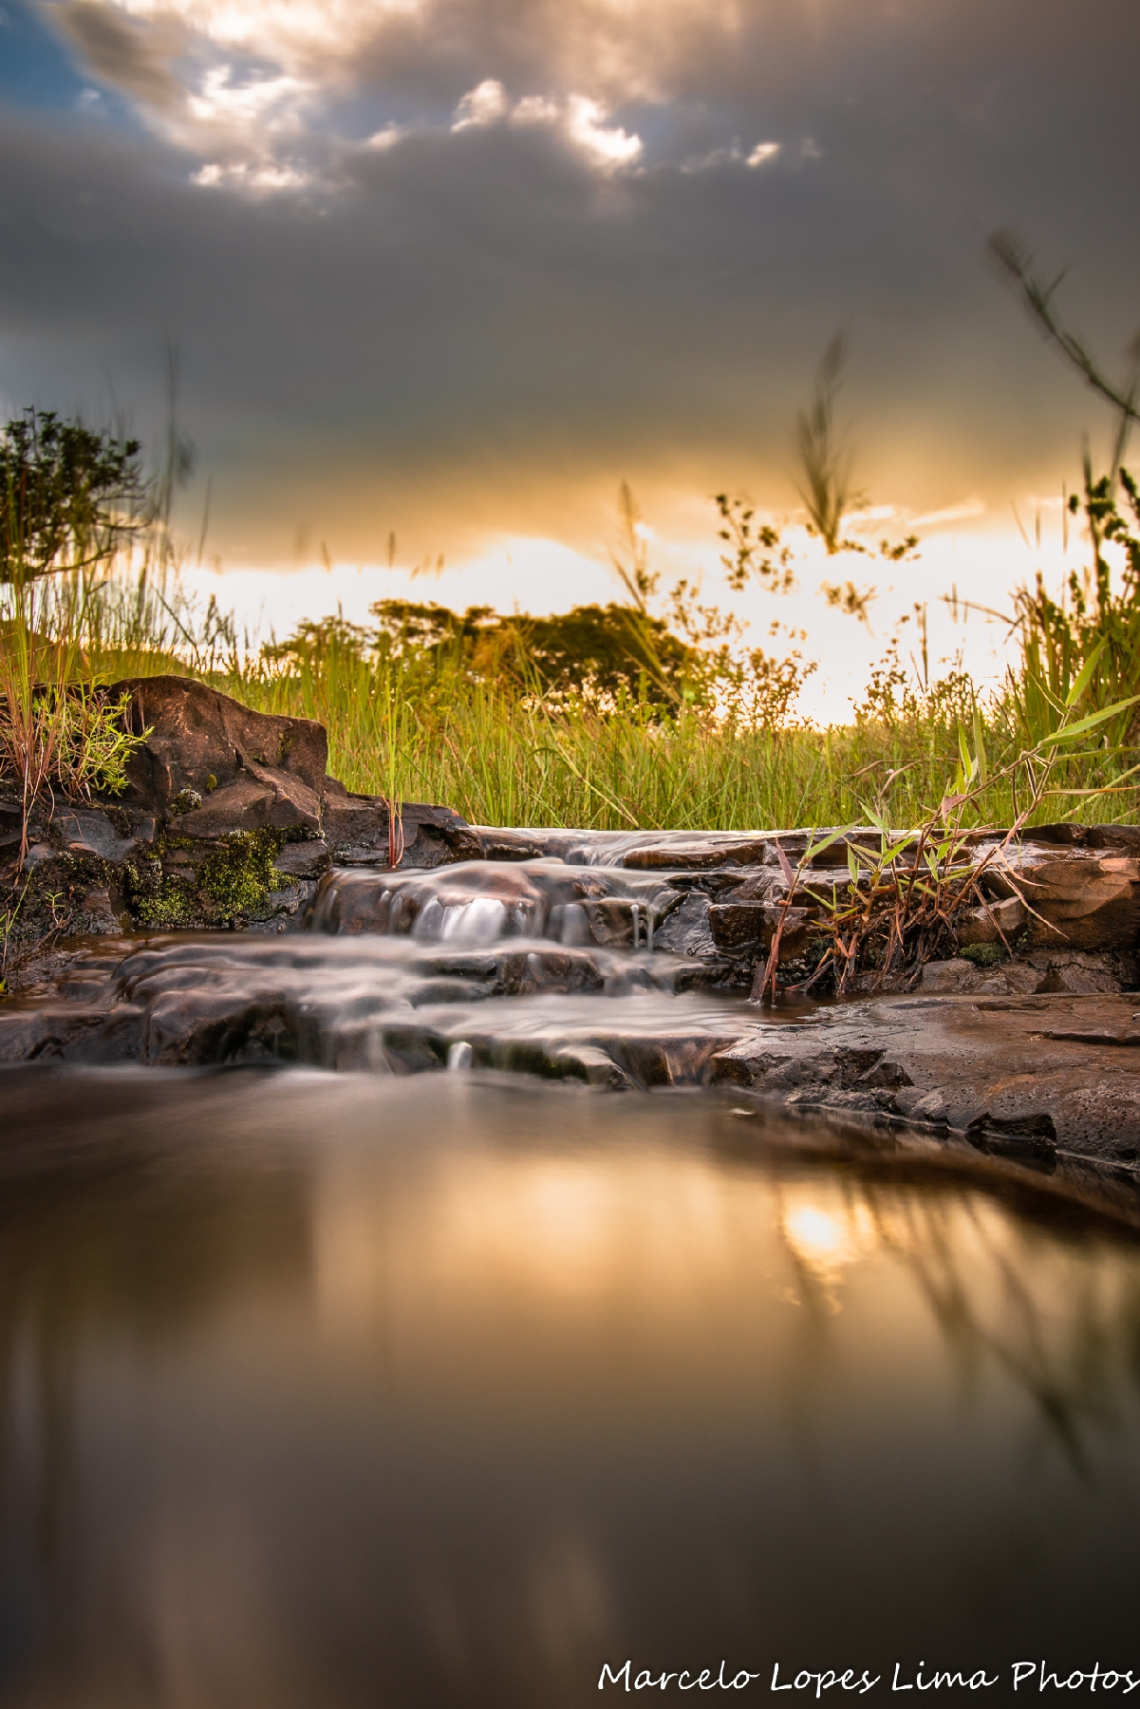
(326, 1392)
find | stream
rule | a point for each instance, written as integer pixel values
(345, 1365)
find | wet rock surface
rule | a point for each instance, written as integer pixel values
(620, 958)
(545, 967)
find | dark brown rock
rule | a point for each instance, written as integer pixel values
(356, 828)
(202, 740)
(258, 799)
(697, 853)
(750, 926)
(1077, 898)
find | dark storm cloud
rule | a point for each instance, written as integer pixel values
(480, 322)
(135, 61)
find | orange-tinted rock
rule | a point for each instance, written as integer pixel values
(202, 740)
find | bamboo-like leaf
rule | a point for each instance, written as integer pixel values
(1085, 677)
(1068, 731)
(814, 849)
(980, 744)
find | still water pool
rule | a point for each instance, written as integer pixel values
(344, 1393)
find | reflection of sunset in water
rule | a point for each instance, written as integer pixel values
(480, 1385)
(828, 1239)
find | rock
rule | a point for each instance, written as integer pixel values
(220, 800)
(992, 924)
(303, 860)
(99, 913)
(960, 976)
(691, 853)
(202, 740)
(687, 930)
(92, 833)
(1077, 898)
(1037, 971)
(258, 800)
(744, 926)
(355, 828)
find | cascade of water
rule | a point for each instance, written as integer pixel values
(480, 921)
(575, 925)
(430, 921)
(635, 910)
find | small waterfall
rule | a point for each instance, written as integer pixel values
(459, 1056)
(575, 925)
(481, 921)
(635, 910)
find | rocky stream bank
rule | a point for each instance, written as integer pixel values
(238, 905)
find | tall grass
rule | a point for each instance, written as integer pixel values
(410, 730)
(428, 723)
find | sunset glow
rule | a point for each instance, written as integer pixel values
(446, 274)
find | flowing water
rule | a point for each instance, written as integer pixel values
(370, 1391)
(347, 1367)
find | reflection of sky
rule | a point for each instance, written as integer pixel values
(451, 268)
(536, 1377)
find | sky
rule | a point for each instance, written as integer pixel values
(437, 275)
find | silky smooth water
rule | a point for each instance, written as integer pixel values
(338, 1392)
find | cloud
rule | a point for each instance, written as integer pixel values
(135, 59)
(474, 258)
(196, 68)
(242, 176)
(581, 120)
(481, 106)
(535, 110)
(608, 144)
(254, 104)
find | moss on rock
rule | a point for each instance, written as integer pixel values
(186, 884)
(984, 955)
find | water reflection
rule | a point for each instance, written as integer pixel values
(335, 1391)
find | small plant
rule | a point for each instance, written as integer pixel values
(898, 907)
(57, 730)
(9, 914)
(984, 955)
(754, 548)
(1098, 612)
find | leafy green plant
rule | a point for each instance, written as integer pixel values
(898, 907)
(57, 729)
(1098, 613)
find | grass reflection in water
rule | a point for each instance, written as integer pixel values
(329, 1391)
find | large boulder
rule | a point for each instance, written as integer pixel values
(229, 818)
(203, 741)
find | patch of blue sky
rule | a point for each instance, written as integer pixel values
(36, 70)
